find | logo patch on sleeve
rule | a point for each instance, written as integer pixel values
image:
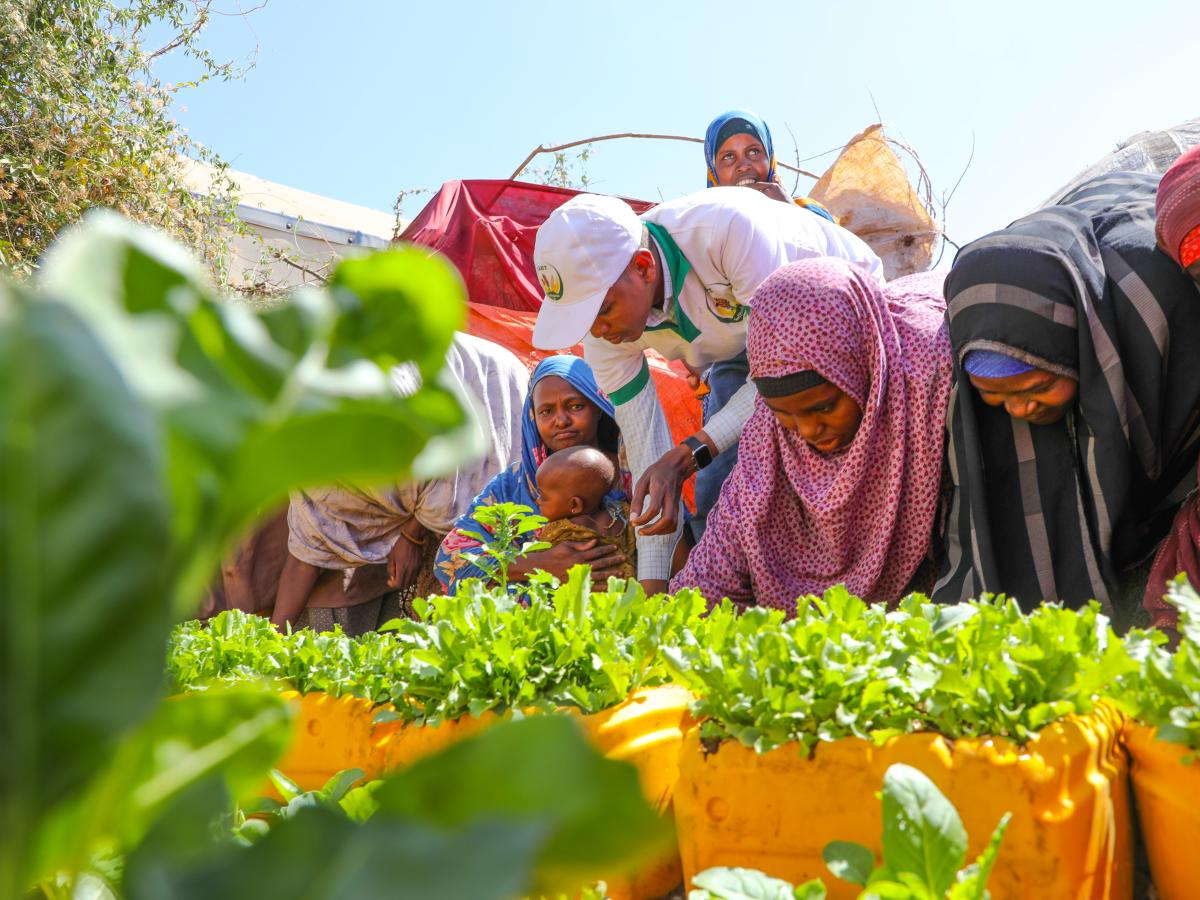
(722, 305)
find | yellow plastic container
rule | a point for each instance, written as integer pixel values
(647, 731)
(335, 733)
(1167, 791)
(1067, 790)
(407, 743)
(332, 734)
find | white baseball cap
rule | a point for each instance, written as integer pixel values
(581, 250)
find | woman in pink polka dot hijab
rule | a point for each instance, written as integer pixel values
(839, 476)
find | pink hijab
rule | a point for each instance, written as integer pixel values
(792, 521)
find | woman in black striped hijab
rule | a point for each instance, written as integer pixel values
(1073, 421)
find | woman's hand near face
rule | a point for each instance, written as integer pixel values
(772, 189)
(604, 559)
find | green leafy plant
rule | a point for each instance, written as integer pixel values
(251, 405)
(342, 793)
(474, 652)
(839, 668)
(1164, 691)
(732, 883)
(505, 526)
(143, 423)
(525, 807)
(924, 848)
(844, 668)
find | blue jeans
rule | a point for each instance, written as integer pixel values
(724, 379)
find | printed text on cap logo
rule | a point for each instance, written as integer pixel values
(551, 281)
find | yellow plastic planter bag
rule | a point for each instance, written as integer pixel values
(332, 734)
(1167, 791)
(647, 731)
(1067, 790)
(406, 743)
(336, 733)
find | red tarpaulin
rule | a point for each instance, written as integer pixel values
(487, 229)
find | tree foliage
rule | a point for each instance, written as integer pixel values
(85, 123)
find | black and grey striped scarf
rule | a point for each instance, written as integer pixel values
(1056, 512)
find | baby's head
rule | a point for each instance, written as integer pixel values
(573, 481)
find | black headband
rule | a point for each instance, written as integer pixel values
(786, 385)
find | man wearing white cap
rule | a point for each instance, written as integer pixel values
(679, 280)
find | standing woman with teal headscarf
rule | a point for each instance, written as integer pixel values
(739, 152)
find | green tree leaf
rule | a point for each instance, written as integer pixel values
(83, 549)
(87, 125)
(922, 832)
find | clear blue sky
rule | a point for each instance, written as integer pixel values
(361, 100)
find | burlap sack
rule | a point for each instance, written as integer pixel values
(869, 192)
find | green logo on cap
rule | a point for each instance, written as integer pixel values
(551, 281)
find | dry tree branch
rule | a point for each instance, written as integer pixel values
(184, 36)
(946, 198)
(541, 148)
(240, 12)
(970, 158)
(796, 149)
(924, 186)
(838, 149)
(284, 258)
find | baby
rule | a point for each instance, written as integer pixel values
(573, 484)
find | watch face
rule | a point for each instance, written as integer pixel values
(701, 455)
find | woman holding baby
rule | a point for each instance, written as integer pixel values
(564, 409)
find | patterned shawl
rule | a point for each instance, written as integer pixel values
(793, 521)
(1056, 511)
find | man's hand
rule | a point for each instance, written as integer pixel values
(604, 559)
(656, 496)
(404, 560)
(695, 380)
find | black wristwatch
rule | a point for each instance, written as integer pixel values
(700, 452)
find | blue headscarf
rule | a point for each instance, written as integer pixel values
(518, 483)
(725, 126)
(741, 121)
(991, 364)
(576, 373)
